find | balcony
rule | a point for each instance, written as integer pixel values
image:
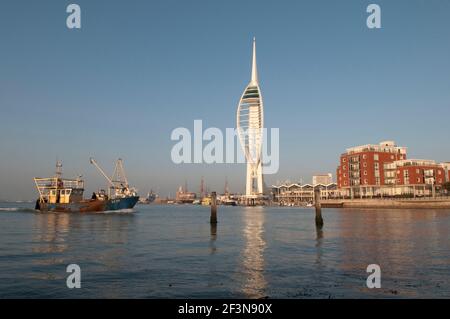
(355, 175)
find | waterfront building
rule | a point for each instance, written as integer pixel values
(250, 123)
(383, 170)
(297, 194)
(446, 166)
(323, 179)
(416, 177)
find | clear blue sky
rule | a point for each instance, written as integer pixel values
(138, 69)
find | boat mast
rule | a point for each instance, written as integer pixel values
(118, 182)
(119, 174)
(58, 172)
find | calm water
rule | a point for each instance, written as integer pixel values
(172, 252)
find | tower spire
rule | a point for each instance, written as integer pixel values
(254, 79)
(250, 124)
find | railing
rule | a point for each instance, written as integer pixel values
(46, 185)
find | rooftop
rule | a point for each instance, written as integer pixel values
(385, 146)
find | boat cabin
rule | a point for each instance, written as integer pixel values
(56, 190)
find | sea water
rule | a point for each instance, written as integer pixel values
(172, 251)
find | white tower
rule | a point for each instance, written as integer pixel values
(250, 130)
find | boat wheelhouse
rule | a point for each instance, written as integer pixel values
(64, 195)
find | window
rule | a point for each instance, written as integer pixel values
(365, 164)
(375, 157)
(344, 160)
(418, 180)
(377, 181)
(345, 175)
(377, 166)
(417, 171)
(389, 174)
(392, 157)
(439, 172)
(365, 172)
(365, 181)
(364, 156)
(345, 167)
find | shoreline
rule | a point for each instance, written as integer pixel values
(388, 203)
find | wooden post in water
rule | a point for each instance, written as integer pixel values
(319, 219)
(213, 219)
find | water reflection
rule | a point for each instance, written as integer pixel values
(274, 252)
(403, 242)
(388, 236)
(255, 284)
(51, 232)
(60, 239)
(319, 242)
(212, 242)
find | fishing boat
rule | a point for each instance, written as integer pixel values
(227, 201)
(183, 196)
(120, 195)
(57, 194)
(151, 197)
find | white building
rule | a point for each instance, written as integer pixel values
(323, 179)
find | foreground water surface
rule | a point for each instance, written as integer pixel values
(173, 252)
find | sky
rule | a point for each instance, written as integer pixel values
(136, 70)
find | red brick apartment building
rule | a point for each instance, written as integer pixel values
(383, 170)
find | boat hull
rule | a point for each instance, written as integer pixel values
(229, 203)
(121, 203)
(79, 207)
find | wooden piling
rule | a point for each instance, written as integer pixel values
(213, 219)
(319, 219)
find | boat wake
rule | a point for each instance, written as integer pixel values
(17, 209)
(9, 209)
(120, 211)
(30, 210)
